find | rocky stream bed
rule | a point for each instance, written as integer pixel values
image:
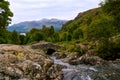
(31, 63)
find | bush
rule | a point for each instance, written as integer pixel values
(109, 50)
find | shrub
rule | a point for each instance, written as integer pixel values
(109, 50)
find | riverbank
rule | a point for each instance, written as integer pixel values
(31, 62)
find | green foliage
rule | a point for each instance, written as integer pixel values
(48, 31)
(38, 36)
(112, 7)
(78, 33)
(70, 27)
(56, 37)
(69, 37)
(15, 39)
(5, 36)
(34, 35)
(79, 26)
(5, 14)
(2, 36)
(65, 36)
(5, 19)
(51, 30)
(100, 24)
(109, 50)
(22, 39)
(71, 46)
(100, 28)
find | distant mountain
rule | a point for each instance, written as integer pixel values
(28, 25)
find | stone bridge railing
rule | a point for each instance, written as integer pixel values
(46, 46)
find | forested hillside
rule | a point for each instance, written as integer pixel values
(93, 24)
(98, 27)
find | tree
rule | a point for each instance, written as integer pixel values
(108, 49)
(15, 38)
(22, 38)
(112, 7)
(56, 37)
(48, 31)
(38, 36)
(34, 35)
(51, 31)
(5, 19)
(5, 14)
(99, 29)
(69, 37)
(65, 36)
(5, 36)
(78, 34)
(45, 30)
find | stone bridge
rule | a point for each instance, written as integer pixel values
(46, 46)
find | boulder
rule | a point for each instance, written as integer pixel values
(59, 55)
(72, 58)
(92, 60)
(83, 49)
(24, 63)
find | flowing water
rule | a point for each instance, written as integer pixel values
(87, 72)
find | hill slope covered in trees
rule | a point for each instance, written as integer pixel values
(98, 29)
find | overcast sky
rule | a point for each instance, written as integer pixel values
(27, 10)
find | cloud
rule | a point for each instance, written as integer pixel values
(37, 9)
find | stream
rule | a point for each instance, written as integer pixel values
(87, 72)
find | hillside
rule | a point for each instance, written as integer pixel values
(96, 29)
(83, 19)
(28, 25)
(93, 23)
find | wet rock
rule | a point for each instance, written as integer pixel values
(117, 61)
(59, 55)
(92, 60)
(89, 58)
(72, 58)
(74, 62)
(74, 75)
(55, 72)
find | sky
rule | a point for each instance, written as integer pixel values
(28, 10)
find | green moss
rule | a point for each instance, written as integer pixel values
(21, 55)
